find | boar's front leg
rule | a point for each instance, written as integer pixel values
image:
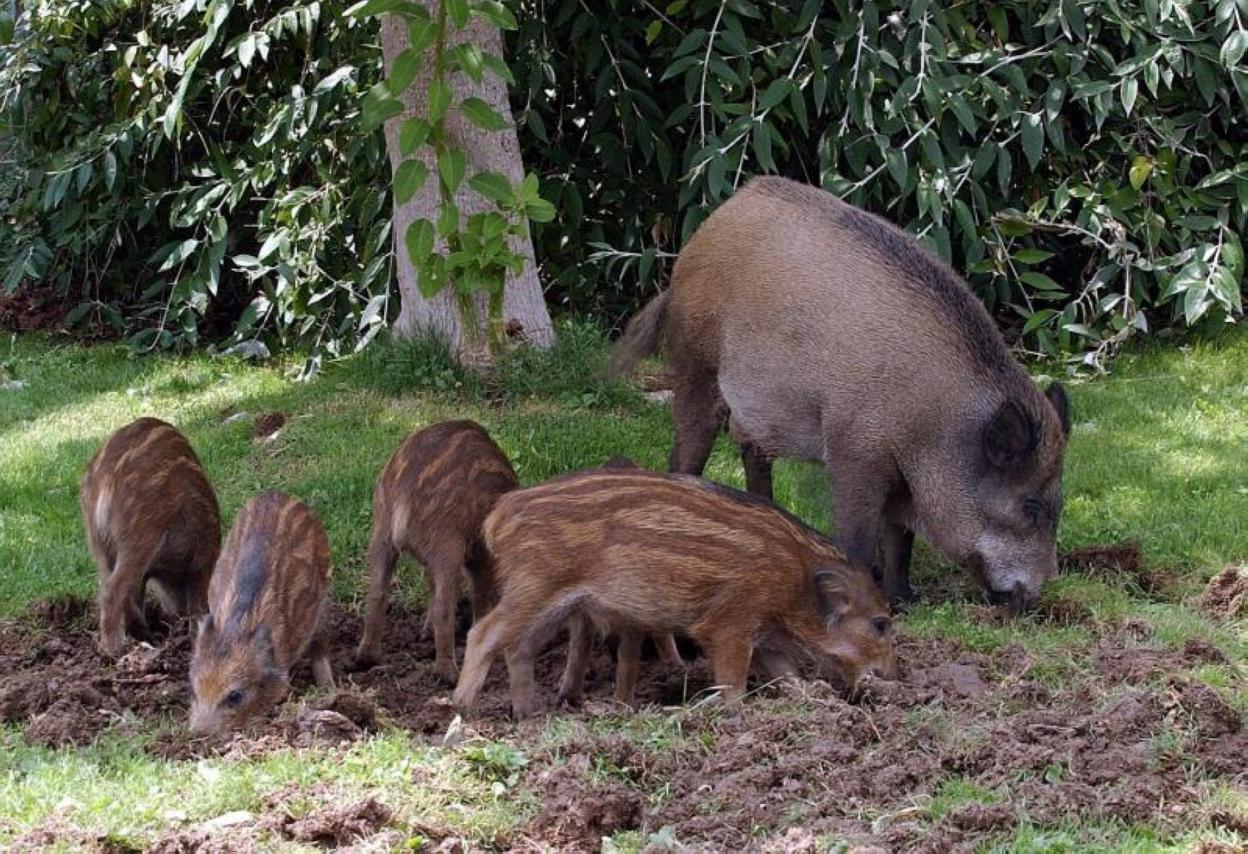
(757, 470)
(858, 496)
(484, 640)
(896, 545)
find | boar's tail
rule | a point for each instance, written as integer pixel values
(640, 338)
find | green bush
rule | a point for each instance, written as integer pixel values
(197, 168)
(1084, 162)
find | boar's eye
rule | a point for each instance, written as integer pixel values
(881, 624)
(234, 699)
(1033, 509)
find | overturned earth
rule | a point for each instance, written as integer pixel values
(1130, 737)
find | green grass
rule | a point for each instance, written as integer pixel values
(1158, 454)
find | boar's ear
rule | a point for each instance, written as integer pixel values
(831, 594)
(1056, 395)
(262, 638)
(205, 629)
(1010, 436)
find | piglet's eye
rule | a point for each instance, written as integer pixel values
(234, 699)
(881, 624)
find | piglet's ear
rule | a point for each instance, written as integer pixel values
(205, 628)
(831, 594)
(1010, 436)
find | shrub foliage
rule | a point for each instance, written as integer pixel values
(200, 166)
(1083, 162)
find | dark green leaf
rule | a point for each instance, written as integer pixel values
(458, 12)
(451, 166)
(1033, 138)
(412, 135)
(493, 185)
(419, 240)
(408, 180)
(482, 115)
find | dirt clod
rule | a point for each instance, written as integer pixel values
(1226, 595)
(267, 425)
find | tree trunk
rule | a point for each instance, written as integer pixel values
(524, 309)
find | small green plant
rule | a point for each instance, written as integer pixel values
(496, 761)
(473, 255)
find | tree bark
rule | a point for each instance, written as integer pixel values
(524, 309)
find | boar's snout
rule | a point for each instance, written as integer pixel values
(1019, 599)
(204, 721)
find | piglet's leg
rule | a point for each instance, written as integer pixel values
(484, 640)
(668, 652)
(520, 658)
(730, 664)
(627, 665)
(445, 569)
(382, 558)
(322, 670)
(580, 642)
(121, 604)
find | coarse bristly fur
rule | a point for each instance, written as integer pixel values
(429, 502)
(658, 553)
(266, 605)
(819, 331)
(150, 515)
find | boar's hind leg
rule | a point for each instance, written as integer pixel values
(757, 469)
(896, 544)
(382, 557)
(698, 412)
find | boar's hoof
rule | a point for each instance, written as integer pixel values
(447, 673)
(112, 646)
(363, 660)
(570, 697)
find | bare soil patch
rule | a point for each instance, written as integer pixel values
(1136, 740)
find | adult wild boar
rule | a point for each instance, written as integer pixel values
(822, 332)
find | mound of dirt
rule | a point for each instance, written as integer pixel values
(578, 812)
(1226, 595)
(1121, 562)
(267, 425)
(319, 816)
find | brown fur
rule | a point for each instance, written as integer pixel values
(429, 501)
(647, 552)
(818, 331)
(266, 606)
(150, 515)
(628, 650)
